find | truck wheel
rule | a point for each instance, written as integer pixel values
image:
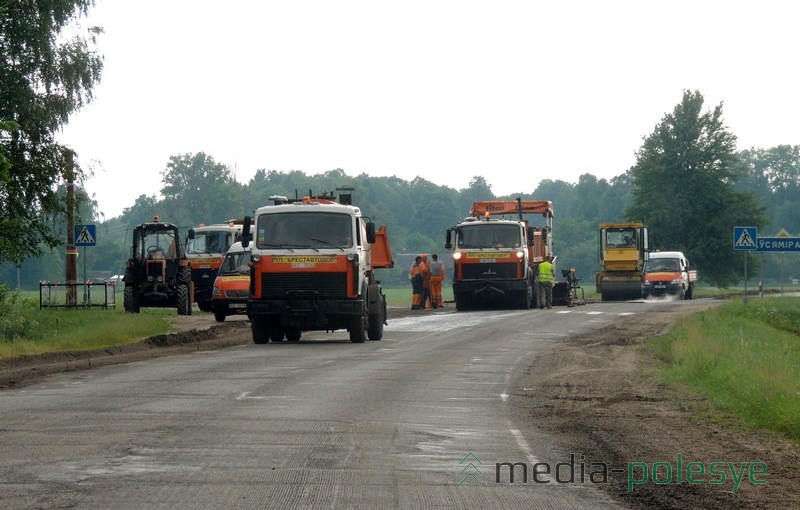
(260, 332)
(130, 300)
(358, 330)
(535, 297)
(184, 303)
(276, 335)
(375, 330)
(205, 306)
(293, 334)
(219, 316)
(462, 302)
(682, 294)
(524, 300)
(690, 292)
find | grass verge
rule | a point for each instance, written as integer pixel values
(25, 329)
(745, 360)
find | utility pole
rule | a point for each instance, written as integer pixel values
(72, 251)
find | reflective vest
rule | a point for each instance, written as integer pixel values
(546, 272)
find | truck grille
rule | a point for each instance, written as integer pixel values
(326, 285)
(488, 271)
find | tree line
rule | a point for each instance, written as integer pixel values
(691, 204)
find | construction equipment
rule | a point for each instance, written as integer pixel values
(313, 268)
(622, 251)
(157, 273)
(496, 261)
(206, 246)
(568, 292)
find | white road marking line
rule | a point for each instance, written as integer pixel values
(523, 444)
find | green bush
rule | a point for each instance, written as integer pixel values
(15, 320)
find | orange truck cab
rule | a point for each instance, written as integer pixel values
(232, 285)
(313, 269)
(497, 260)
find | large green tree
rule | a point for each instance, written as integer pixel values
(197, 187)
(684, 189)
(774, 177)
(44, 77)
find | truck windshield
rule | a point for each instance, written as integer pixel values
(236, 263)
(208, 242)
(655, 265)
(316, 230)
(490, 235)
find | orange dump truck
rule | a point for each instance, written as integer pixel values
(497, 252)
(313, 268)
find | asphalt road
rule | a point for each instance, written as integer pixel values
(417, 420)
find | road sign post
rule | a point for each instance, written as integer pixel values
(85, 235)
(745, 239)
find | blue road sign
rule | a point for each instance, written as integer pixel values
(778, 244)
(85, 235)
(744, 238)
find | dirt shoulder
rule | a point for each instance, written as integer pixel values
(592, 393)
(189, 333)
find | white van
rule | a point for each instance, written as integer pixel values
(232, 285)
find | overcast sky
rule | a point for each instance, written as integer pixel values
(515, 91)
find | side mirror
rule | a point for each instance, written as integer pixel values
(448, 242)
(246, 232)
(370, 232)
(191, 233)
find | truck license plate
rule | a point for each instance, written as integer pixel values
(237, 305)
(661, 286)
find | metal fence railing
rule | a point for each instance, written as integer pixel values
(77, 295)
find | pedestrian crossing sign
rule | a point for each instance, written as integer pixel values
(85, 235)
(744, 238)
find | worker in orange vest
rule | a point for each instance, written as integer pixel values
(426, 282)
(415, 275)
(437, 277)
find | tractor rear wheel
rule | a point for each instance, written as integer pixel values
(129, 299)
(184, 301)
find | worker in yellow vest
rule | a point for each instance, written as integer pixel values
(546, 279)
